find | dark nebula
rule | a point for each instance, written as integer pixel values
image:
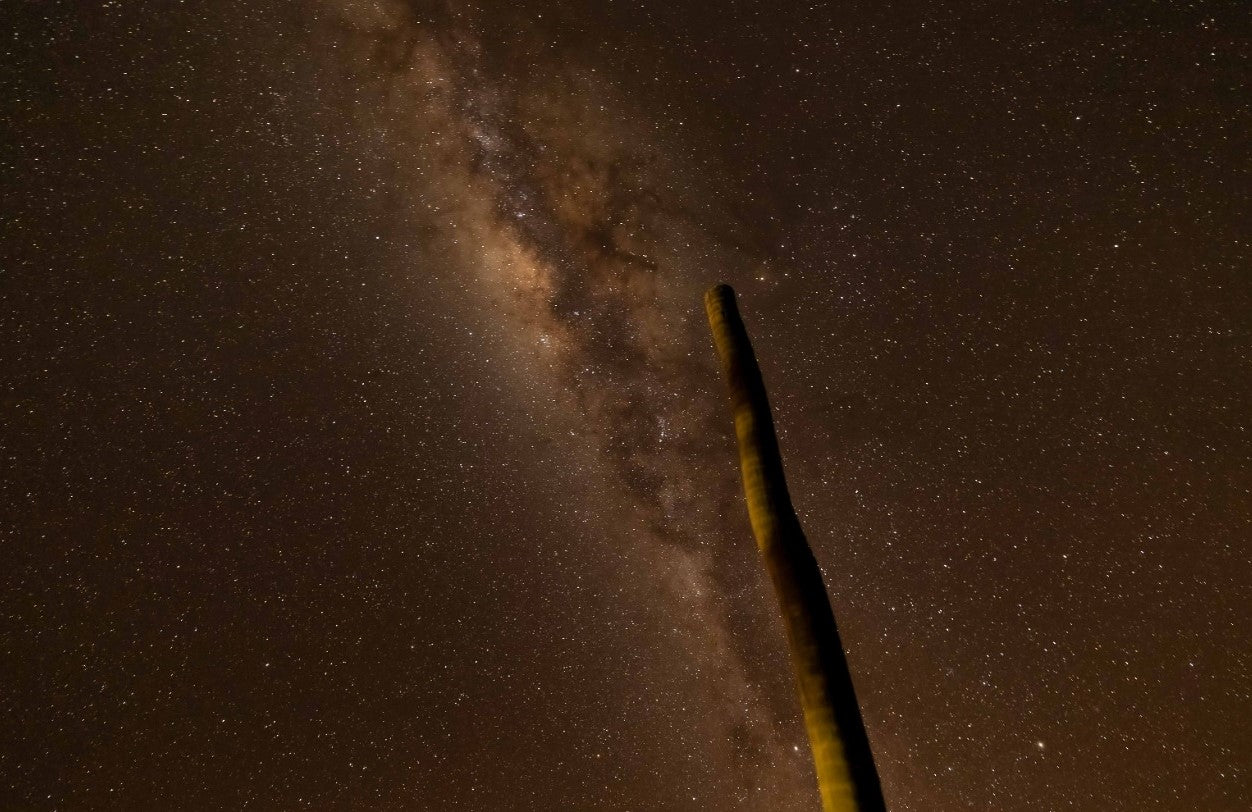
(364, 445)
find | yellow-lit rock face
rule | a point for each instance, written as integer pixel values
(845, 769)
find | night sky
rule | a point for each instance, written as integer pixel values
(363, 445)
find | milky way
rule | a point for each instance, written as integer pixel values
(365, 449)
(558, 197)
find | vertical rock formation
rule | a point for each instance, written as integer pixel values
(846, 775)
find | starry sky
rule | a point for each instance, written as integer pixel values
(364, 447)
